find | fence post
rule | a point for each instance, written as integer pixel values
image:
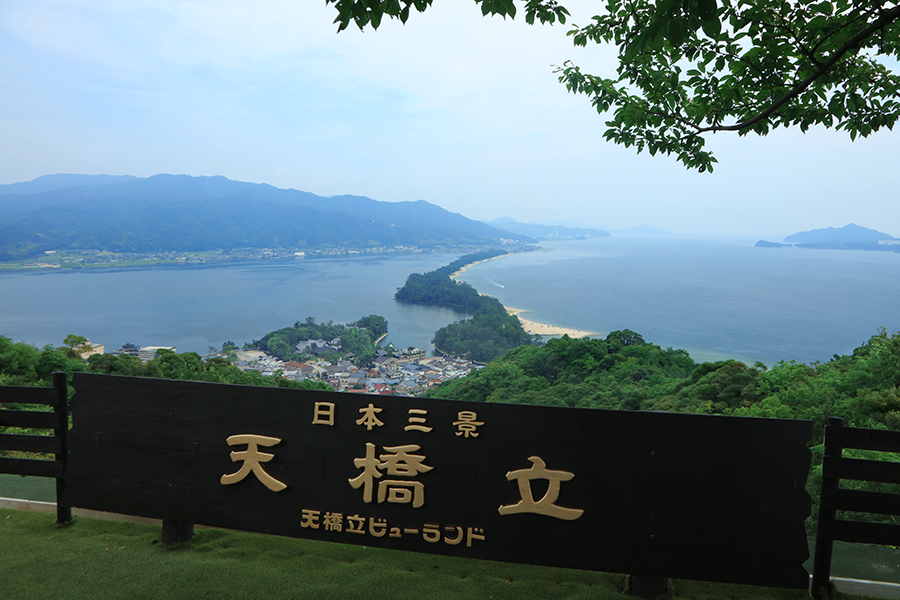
(821, 580)
(60, 382)
(175, 532)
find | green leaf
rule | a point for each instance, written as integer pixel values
(712, 27)
(706, 10)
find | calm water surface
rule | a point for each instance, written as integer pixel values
(195, 307)
(715, 299)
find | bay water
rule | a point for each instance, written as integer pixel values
(715, 298)
(193, 307)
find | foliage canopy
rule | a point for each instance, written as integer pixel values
(693, 67)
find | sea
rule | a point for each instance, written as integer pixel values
(715, 298)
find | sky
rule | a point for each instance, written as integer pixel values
(453, 108)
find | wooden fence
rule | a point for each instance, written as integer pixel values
(833, 498)
(56, 444)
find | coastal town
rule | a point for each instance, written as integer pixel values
(79, 259)
(407, 372)
(404, 372)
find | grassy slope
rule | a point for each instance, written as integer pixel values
(105, 559)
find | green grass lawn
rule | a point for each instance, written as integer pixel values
(224, 564)
(90, 559)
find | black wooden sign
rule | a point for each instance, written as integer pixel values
(687, 496)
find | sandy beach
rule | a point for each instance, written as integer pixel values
(532, 327)
(477, 262)
(539, 328)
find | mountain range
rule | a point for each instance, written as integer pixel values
(182, 213)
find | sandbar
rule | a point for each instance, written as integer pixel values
(477, 262)
(539, 328)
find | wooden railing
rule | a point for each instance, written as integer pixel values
(56, 444)
(833, 498)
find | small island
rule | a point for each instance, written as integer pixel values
(848, 237)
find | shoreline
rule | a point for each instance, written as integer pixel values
(540, 328)
(477, 262)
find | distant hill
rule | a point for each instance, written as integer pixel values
(848, 237)
(179, 212)
(546, 232)
(848, 234)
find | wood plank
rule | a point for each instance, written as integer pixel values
(15, 394)
(32, 467)
(860, 532)
(863, 439)
(861, 501)
(30, 443)
(29, 418)
(861, 470)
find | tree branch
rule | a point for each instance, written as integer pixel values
(853, 43)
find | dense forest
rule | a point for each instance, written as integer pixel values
(357, 340)
(625, 372)
(491, 331)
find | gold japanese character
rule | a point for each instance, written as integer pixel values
(417, 423)
(252, 458)
(544, 506)
(334, 521)
(377, 527)
(324, 414)
(356, 524)
(467, 423)
(431, 533)
(473, 533)
(457, 539)
(369, 419)
(398, 462)
(310, 518)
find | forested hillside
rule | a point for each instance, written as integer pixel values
(625, 372)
